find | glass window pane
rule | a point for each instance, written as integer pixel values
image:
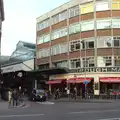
(46, 38)
(116, 23)
(115, 5)
(85, 26)
(101, 6)
(87, 8)
(103, 24)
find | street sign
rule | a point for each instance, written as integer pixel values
(86, 82)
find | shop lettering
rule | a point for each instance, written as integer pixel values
(100, 69)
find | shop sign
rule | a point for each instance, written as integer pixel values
(96, 69)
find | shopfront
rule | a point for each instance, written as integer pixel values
(99, 80)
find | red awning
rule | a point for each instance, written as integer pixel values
(110, 79)
(56, 81)
(79, 80)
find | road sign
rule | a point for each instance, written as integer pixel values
(86, 82)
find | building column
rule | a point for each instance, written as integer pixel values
(96, 86)
(50, 88)
(35, 85)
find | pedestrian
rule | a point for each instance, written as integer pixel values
(15, 98)
(9, 97)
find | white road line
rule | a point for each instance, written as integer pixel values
(92, 111)
(46, 103)
(26, 115)
(111, 119)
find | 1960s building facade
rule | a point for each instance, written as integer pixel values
(81, 34)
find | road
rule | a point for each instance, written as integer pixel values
(63, 111)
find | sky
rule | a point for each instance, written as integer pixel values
(20, 21)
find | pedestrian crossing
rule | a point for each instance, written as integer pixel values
(46, 103)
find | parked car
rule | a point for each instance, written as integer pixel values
(37, 95)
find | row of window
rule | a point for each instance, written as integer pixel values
(83, 26)
(106, 61)
(102, 42)
(77, 10)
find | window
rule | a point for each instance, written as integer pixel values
(116, 23)
(88, 25)
(64, 48)
(43, 24)
(88, 62)
(116, 5)
(63, 16)
(43, 39)
(75, 28)
(108, 61)
(44, 53)
(103, 24)
(116, 41)
(74, 11)
(102, 6)
(75, 63)
(59, 33)
(103, 42)
(117, 61)
(46, 38)
(40, 40)
(61, 64)
(89, 43)
(59, 17)
(60, 48)
(87, 8)
(75, 45)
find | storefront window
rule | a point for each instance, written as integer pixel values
(87, 25)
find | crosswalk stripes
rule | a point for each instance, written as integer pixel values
(46, 103)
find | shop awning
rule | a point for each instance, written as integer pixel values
(110, 79)
(56, 81)
(79, 80)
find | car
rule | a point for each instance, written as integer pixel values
(37, 95)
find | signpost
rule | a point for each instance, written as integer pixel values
(86, 82)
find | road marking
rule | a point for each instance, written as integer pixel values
(111, 119)
(26, 115)
(92, 111)
(46, 103)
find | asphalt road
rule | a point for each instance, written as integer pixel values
(64, 111)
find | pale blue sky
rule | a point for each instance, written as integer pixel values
(20, 20)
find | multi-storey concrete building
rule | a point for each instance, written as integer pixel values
(83, 35)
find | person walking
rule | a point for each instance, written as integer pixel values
(9, 97)
(15, 98)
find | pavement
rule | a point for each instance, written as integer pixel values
(63, 110)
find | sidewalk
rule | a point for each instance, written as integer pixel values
(3, 105)
(85, 100)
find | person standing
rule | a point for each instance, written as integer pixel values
(15, 98)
